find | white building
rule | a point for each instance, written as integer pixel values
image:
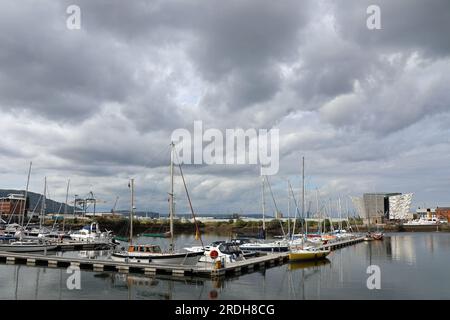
(399, 207)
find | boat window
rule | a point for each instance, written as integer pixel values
(157, 249)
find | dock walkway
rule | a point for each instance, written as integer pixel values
(202, 270)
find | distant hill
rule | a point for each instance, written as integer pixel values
(35, 202)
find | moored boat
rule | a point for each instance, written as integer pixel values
(153, 254)
(307, 254)
(377, 236)
(27, 246)
(90, 233)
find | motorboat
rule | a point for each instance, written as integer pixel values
(90, 233)
(222, 251)
(149, 253)
(276, 246)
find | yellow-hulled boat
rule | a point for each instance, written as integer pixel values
(307, 255)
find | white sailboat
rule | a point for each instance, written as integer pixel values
(27, 246)
(309, 252)
(19, 244)
(153, 253)
(262, 246)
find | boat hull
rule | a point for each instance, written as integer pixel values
(263, 248)
(308, 255)
(188, 258)
(27, 248)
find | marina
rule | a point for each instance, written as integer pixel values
(403, 258)
(201, 269)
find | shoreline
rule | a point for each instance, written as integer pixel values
(239, 228)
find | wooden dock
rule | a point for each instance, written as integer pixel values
(340, 244)
(146, 268)
(202, 269)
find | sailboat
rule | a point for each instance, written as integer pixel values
(150, 253)
(22, 245)
(305, 253)
(261, 246)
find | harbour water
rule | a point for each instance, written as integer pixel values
(412, 265)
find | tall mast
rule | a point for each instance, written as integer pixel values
(26, 195)
(340, 214)
(303, 194)
(289, 209)
(318, 212)
(65, 205)
(263, 203)
(131, 211)
(43, 204)
(296, 211)
(171, 207)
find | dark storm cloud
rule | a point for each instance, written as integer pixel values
(53, 72)
(411, 25)
(101, 102)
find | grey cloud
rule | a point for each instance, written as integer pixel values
(100, 104)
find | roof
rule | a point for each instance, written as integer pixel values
(13, 196)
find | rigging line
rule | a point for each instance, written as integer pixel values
(297, 212)
(163, 151)
(275, 204)
(197, 230)
(34, 210)
(13, 210)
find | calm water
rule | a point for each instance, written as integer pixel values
(413, 266)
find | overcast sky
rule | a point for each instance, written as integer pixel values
(369, 109)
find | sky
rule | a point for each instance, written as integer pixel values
(369, 109)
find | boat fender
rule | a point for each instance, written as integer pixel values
(214, 254)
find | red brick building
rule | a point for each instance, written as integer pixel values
(443, 212)
(12, 204)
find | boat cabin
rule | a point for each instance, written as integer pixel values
(229, 248)
(144, 248)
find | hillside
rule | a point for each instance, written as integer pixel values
(35, 201)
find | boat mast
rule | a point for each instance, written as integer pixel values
(263, 204)
(319, 224)
(22, 220)
(65, 205)
(303, 195)
(289, 209)
(43, 204)
(296, 211)
(277, 212)
(171, 208)
(131, 210)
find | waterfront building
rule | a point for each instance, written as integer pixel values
(443, 212)
(381, 207)
(438, 213)
(12, 204)
(399, 207)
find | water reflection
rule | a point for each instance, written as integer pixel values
(402, 248)
(412, 266)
